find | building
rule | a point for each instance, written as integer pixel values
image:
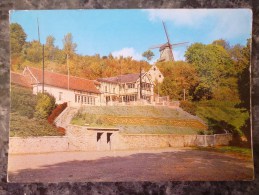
(20, 80)
(73, 90)
(127, 88)
(155, 74)
(121, 90)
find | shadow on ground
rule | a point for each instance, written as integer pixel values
(186, 165)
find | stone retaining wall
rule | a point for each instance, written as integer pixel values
(83, 139)
(19, 145)
(135, 141)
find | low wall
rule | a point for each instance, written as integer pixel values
(37, 144)
(135, 141)
(222, 139)
(82, 139)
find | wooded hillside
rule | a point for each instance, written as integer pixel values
(215, 72)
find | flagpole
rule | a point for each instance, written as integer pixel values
(67, 73)
(42, 56)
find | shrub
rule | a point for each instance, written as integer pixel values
(23, 101)
(188, 107)
(45, 105)
(61, 130)
(201, 132)
(54, 114)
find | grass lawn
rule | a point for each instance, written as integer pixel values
(21, 126)
(215, 111)
(140, 119)
(244, 152)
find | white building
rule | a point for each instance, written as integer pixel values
(73, 90)
(127, 88)
(155, 74)
(122, 89)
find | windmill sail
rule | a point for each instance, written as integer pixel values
(166, 49)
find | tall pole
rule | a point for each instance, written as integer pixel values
(42, 56)
(42, 68)
(140, 81)
(68, 72)
(38, 29)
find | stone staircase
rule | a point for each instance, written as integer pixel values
(64, 119)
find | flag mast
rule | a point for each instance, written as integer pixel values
(42, 57)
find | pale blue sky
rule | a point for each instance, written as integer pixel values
(131, 32)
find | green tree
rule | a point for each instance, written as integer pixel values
(69, 46)
(45, 105)
(244, 77)
(33, 51)
(17, 37)
(50, 47)
(214, 66)
(148, 54)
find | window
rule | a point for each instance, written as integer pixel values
(154, 69)
(160, 76)
(114, 90)
(130, 85)
(60, 96)
(106, 89)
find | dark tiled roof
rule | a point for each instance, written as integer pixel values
(19, 79)
(127, 78)
(61, 81)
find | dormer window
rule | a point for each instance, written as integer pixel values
(154, 69)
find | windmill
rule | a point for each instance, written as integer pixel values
(166, 49)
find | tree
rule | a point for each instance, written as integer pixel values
(180, 77)
(50, 47)
(50, 41)
(33, 51)
(68, 46)
(17, 38)
(214, 65)
(148, 54)
(241, 57)
(244, 77)
(45, 105)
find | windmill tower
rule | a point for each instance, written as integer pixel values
(166, 49)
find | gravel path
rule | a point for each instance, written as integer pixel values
(150, 165)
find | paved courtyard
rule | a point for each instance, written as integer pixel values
(150, 165)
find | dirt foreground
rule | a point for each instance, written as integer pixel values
(149, 165)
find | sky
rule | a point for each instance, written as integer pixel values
(130, 32)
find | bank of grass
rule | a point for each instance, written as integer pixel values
(220, 112)
(139, 119)
(245, 152)
(22, 121)
(158, 129)
(138, 111)
(22, 126)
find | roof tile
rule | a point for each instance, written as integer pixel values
(61, 81)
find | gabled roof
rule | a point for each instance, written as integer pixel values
(19, 79)
(127, 78)
(61, 80)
